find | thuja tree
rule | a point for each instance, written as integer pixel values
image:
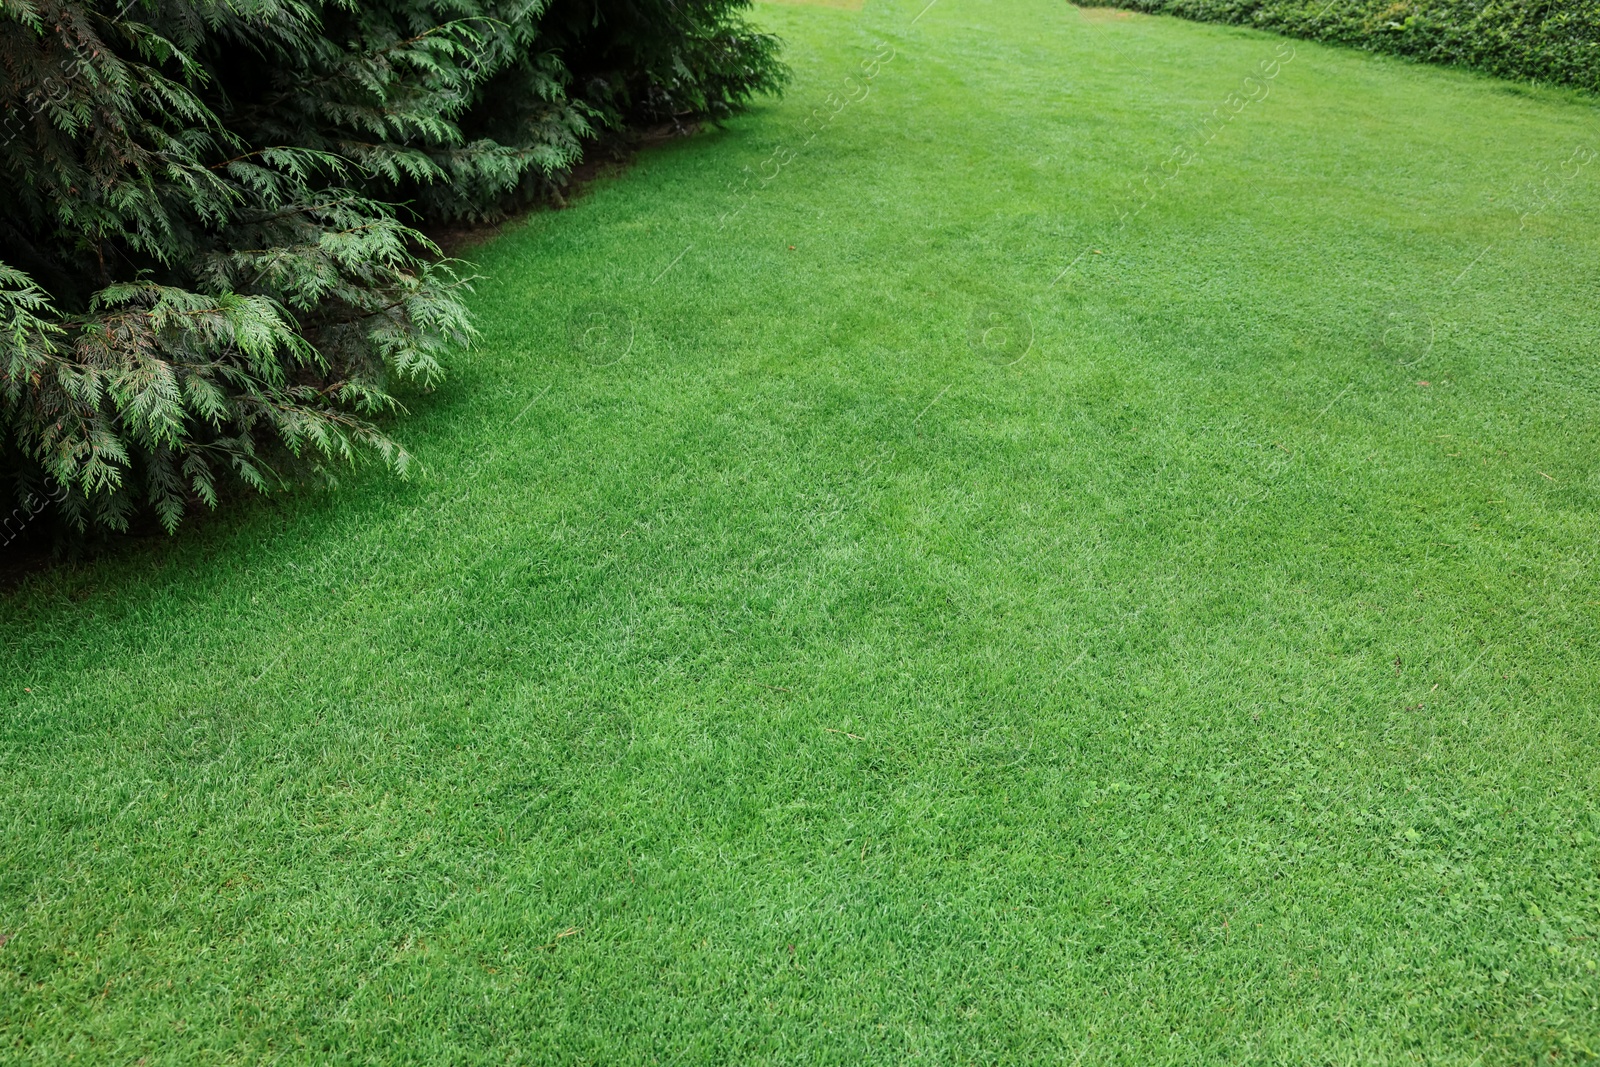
(203, 280)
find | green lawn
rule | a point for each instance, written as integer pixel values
(835, 634)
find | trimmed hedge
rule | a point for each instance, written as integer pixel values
(1541, 40)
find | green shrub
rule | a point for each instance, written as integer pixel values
(1543, 40)
(204, 278)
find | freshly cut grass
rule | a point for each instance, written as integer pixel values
(1106, 14)
(851, 5)
(823, 635)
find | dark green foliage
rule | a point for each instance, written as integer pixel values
(203, 276)
(1544, 40)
